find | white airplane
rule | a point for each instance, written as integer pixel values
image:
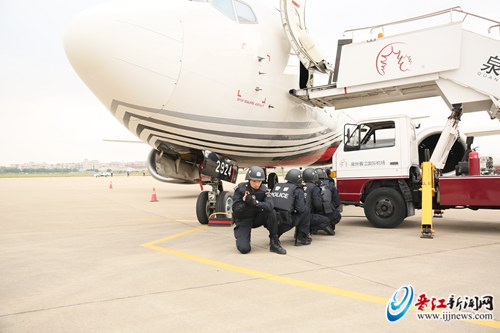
(204, 83)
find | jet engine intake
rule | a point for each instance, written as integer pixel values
(167, 168)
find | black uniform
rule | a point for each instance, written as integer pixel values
(315, 203)
(252, 214)
(333, 211)
(294, 212)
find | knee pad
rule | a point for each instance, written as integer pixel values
(244, 250)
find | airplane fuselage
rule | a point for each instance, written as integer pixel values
(187, 76)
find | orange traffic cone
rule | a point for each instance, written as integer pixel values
(153, 196)
(110, 185)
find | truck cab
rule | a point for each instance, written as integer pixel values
(377, 167)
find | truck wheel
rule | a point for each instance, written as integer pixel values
(202, 210)
(385, 208)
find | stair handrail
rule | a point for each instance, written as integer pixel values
(425, 16)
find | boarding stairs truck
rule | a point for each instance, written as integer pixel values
(446, 60)
(436, 59)
(377, 167)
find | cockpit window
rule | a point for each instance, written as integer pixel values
(244, 12)
(225, 7)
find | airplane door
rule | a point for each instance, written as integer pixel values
(293, 21)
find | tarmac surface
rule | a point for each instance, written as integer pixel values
(77, 256)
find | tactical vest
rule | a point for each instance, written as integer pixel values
(283, 197)
(249, 211)
(327, 196)
(308, 193)
(260, 194)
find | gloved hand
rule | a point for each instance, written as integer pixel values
(251, 200)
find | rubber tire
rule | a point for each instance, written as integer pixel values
(224, 203)
(202, 207)
(385, 208)
(272, 179)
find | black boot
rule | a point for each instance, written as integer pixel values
(329, 230)
(302, 240)
(276, 246)
(304, 236)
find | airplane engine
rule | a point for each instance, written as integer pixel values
(167, 168)
(429, 138)
(171, 168)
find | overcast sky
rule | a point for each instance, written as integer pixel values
(49, 115)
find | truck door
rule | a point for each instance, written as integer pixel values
(370, 150)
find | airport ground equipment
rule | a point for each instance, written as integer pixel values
(377, 163)
(377, 167)
(461, 66)
(220, 219)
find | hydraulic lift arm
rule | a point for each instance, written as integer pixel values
(447, 139)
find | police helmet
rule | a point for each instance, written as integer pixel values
(310, 175)
(255, 173)
(294, 176)
(321, 173)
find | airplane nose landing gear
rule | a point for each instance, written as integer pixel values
(218, 168)
(215, 201)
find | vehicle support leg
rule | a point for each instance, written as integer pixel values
(428, 192)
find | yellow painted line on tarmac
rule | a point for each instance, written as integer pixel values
(282, 279)
(268, 276)
(153, 243)
(247, 271)
(487, 323)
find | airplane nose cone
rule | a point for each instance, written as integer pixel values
(128, 51)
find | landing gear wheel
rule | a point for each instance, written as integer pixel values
(385, 208)
(272, 180)
(202, 207)
(224, 204)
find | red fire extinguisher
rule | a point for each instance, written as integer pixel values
(474, 164)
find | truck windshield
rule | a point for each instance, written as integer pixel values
(369, 136)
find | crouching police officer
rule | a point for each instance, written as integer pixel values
(330, 196)
(314, 202)
(291, 209)
(252, 208)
